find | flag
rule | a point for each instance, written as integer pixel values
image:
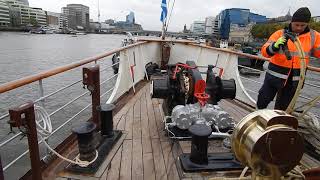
(164, 11)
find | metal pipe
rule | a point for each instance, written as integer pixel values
(55, 92)
(250, 68)
(250, 80)
(108, 79)
(4, 116)
(41, 92)
(107, 92)
(251, 91)
(109, 66)
(57, 110)
(313, 85)
(15, 160)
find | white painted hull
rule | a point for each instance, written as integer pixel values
(180, 52)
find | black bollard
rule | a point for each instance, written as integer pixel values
(106, 118)
(199, 143)
(86, 145)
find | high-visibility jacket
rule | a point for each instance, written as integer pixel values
(279, 65)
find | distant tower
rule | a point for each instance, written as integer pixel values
(185, 28)
(130, 18)
(289, 13)
(98, 11)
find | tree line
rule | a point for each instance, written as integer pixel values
(264, 31)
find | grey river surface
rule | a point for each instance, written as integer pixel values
(27, 54)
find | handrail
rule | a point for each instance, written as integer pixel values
(29, 79)
(192, 43)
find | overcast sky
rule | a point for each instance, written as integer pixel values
(147, 12)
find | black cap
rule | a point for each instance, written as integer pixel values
(301, 15)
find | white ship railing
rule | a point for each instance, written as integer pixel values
(4, 88)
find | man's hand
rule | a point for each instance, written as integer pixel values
(281, 41)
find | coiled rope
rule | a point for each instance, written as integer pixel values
(45, 130)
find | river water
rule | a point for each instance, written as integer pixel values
(26, 54)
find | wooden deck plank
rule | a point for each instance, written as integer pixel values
(126, 160)
(136, 126)
(148, 167)
(146, 139)
(137, 162)
(172, 173)
(121, 124)
(136, 109)
(236, 107)
(185, 146)
(231, 110)
(152, 120)
(129, 123)
(114, 167)
(160, 169)
(159, 120)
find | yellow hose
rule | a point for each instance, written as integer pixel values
(303, 68)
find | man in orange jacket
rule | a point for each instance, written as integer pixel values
(283, 73)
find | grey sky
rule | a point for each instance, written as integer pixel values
(147, 12)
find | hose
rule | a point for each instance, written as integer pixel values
(303, 66)
(45, 130)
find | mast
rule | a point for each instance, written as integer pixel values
(163, 30)
(99, 15)
(98, 11)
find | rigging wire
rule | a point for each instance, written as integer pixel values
(168, 20)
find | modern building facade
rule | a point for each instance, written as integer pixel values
(240, 34)
(53, 19)
(241, 17)
(209, 25)
(198, 27)
(68, 18)
(26, 2)
(82, 15)
(4, 14)
(130, 18)
(23, 15)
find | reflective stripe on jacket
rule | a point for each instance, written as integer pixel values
(279, 65)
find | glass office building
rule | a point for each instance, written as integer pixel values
(241, 17)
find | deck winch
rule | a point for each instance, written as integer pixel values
(211, 115)
(268, 142)
(178, 86)
(189, 100)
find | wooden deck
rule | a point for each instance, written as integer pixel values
(145, 152)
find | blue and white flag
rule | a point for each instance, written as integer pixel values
(164, 11)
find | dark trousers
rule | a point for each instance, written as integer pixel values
(272, 86)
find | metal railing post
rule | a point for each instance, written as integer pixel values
(29, 121)
(41, 93)
(91, 78)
